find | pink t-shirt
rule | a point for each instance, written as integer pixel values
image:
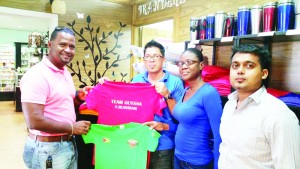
(54, 88)
(119, 102)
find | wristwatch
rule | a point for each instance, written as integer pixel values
(168, 97)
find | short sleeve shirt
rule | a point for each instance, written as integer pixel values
(52, 87)
(119, 102)
(122, 146)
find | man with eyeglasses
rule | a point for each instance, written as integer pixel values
(170, 87)
(48, 97)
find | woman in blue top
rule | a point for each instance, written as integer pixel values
(199, 112)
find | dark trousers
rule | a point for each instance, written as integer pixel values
(179, 164)
(85, 151)
(162, 159)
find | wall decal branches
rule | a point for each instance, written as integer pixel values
(99, 54)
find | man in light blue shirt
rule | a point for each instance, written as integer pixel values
(170, 87)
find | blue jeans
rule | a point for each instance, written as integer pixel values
(162, 159)
(63, 154)
(179, 164)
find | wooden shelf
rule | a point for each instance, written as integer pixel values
(265, 37)
(212, 42)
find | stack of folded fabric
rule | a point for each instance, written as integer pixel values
(289, 98)
(218, 77)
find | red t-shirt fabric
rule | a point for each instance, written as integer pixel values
(120, 102)
(218, 77)
(222, 85)
(212, 72)
(277, 93)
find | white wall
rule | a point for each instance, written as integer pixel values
(8, 37)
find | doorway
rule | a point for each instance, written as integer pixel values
(160, 31)
(16, 25)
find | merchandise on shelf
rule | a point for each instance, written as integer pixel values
(7, 64)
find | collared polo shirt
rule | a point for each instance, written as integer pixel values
(45, 84)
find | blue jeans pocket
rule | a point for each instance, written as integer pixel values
(63, 154)
(28, 153)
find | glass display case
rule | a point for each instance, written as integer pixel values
(26, 56)
(15, 60)
(7, 66)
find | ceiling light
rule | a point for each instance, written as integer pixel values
(59, 7)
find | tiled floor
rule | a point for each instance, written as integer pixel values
(13, 133)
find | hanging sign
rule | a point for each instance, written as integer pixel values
(157, 5)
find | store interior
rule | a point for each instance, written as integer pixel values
(23, 44)
(18, 26)
(25, 29)
(21, 31)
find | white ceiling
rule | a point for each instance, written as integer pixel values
(19, 21)
(31, 23)
(24, 20)
(24, 23)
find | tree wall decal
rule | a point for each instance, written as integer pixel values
(98, 52)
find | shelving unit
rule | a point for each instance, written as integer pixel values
(214, 42)
(265, 39)
(25, 58)
(19, 57)
(7, 79)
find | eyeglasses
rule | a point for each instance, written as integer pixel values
(153, 57)
(187, 62)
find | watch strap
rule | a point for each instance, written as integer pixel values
(168, 97)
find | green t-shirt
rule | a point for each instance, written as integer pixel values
(122, 146)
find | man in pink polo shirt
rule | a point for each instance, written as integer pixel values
(47, 95)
